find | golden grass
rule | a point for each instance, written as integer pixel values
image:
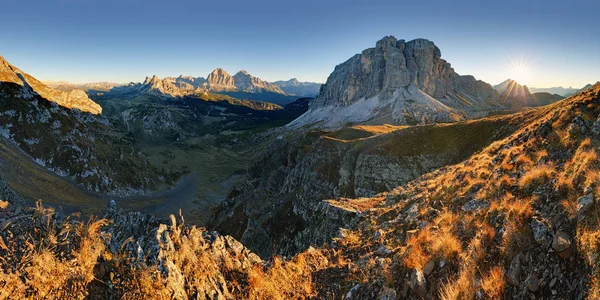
(431, 244)
(493, 283)
(536, 176)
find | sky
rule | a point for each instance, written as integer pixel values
(551, 43)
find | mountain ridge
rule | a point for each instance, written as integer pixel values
(73, 99)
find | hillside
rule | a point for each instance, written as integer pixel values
(58, 135)
(25, 86)
(516, 219)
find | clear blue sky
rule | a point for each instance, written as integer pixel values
(122, 41)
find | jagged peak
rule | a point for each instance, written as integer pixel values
(243, 72)
(219, 71)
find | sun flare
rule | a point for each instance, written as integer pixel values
(519, 70)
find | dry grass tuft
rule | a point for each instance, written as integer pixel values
(536, 177)
(493, 283)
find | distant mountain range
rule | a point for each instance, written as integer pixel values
(298, 88)
(559, 90)
(514, 95)
(242, 85)
(31, 86)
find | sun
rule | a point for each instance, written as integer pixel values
(519, 70)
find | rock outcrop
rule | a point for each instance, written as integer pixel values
(398, 82)
(30, 86)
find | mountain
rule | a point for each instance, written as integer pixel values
(87, 87)
(547, 98)
(297, 88)
(514, 95)
(559, 90)
(65, 134)
(586, 87)
(219, 81)
(398, 82)
(248, 83)
(30, 86)
(478, 196)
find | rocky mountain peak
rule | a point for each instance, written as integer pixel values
(219, 80)
(398, 82)
(248, 83)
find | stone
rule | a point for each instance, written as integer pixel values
(541, 234)
(584, 203)
(352, 292)
(533, 283)
(553, 282)
(475, 205)
(418, 283)
(429, 267)
(514, 271)
(387, 293)
(383, 251)
(561, 241)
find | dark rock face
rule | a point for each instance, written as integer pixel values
(398, 82)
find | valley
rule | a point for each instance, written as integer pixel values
(398, 178)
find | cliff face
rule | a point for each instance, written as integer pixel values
(31, 86)
(398, 82)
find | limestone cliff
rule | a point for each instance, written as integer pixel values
(398, 82)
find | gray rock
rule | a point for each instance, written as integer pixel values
(475, 205)
(387, 293)
(352, 292)
(418, 283)
(429, 267)
(533, 283)
(584, 203)
(398, 82)
(541, 234)
(561, 241)
(514, 270)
